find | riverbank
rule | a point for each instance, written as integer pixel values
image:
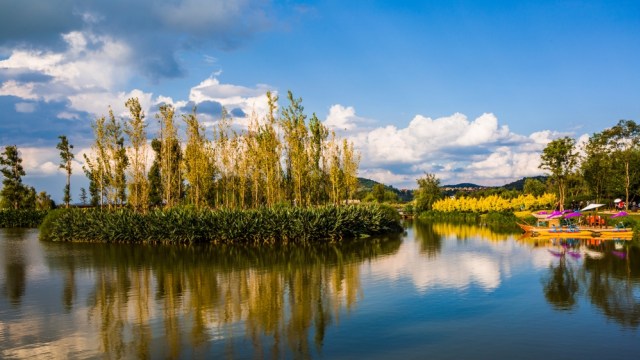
(189, 225)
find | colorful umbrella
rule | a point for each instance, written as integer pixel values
(556, 213)
(620, 214)
(573, 214)
(591, 207)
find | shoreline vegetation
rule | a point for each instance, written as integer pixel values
(189, 225)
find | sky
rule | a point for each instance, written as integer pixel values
(471, 91)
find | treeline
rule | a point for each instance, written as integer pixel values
(605, 168)
(282, 158)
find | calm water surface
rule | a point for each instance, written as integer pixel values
(437, 291)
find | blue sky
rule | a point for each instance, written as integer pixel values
(469, 90)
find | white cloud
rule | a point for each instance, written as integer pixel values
(88, 72)
(45, 161)
(386, 176)
(98, 103)
(23, 107)
(22, 90)
(342, 118)
(458, 270)
(88, 63)
(454, 148)
(249, 100)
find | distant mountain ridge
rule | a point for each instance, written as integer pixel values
(407, 195)
(463, 185)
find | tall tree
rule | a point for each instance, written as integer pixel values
(155, 177)
(428, 192)
(197, 161)
(271, 150)
(624, 140)
(83, 196)
(118, 161)
(13, 191)
(318, 135)
(560, 158)
(350, 161)
(135, 130)
(93, 172)
(170, 156)
(596, 166)
(66, 157)
(295, 139)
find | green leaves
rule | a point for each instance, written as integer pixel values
(191, 225)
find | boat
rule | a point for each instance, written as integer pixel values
(577, 232)
(555, 231)
(550, 227)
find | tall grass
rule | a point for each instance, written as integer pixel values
(190, 225)
(10, 218)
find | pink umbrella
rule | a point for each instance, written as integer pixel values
(554, 214)
(573, 214)
(620, 214)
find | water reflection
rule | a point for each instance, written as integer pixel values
(84, 300)
(607, 271)
(198, 298)
(430, 262)
(14, 265)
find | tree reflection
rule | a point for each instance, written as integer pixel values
(613, 285)
(430, 240)
(14, 265)
(284, 298)
(561, 285)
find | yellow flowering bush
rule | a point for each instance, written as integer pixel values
(494, 203)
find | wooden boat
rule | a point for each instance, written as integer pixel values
(550, 226)
(575, 231)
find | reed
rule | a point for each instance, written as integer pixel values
(10, 218)
(190, 225)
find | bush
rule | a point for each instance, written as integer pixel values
(10, 218)
(190, 225)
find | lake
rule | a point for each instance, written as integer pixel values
(437, 291)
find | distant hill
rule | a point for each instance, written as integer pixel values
(367, 185)
(463, 185)
(519, 184)
(407, 195)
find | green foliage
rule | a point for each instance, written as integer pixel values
(365, 187)
(378, 192)
(13, 192)
(66, 156)
(559, 157)
(191, 225)
(534, 187)
(155, 177)
(428, 192)
(11, 218)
